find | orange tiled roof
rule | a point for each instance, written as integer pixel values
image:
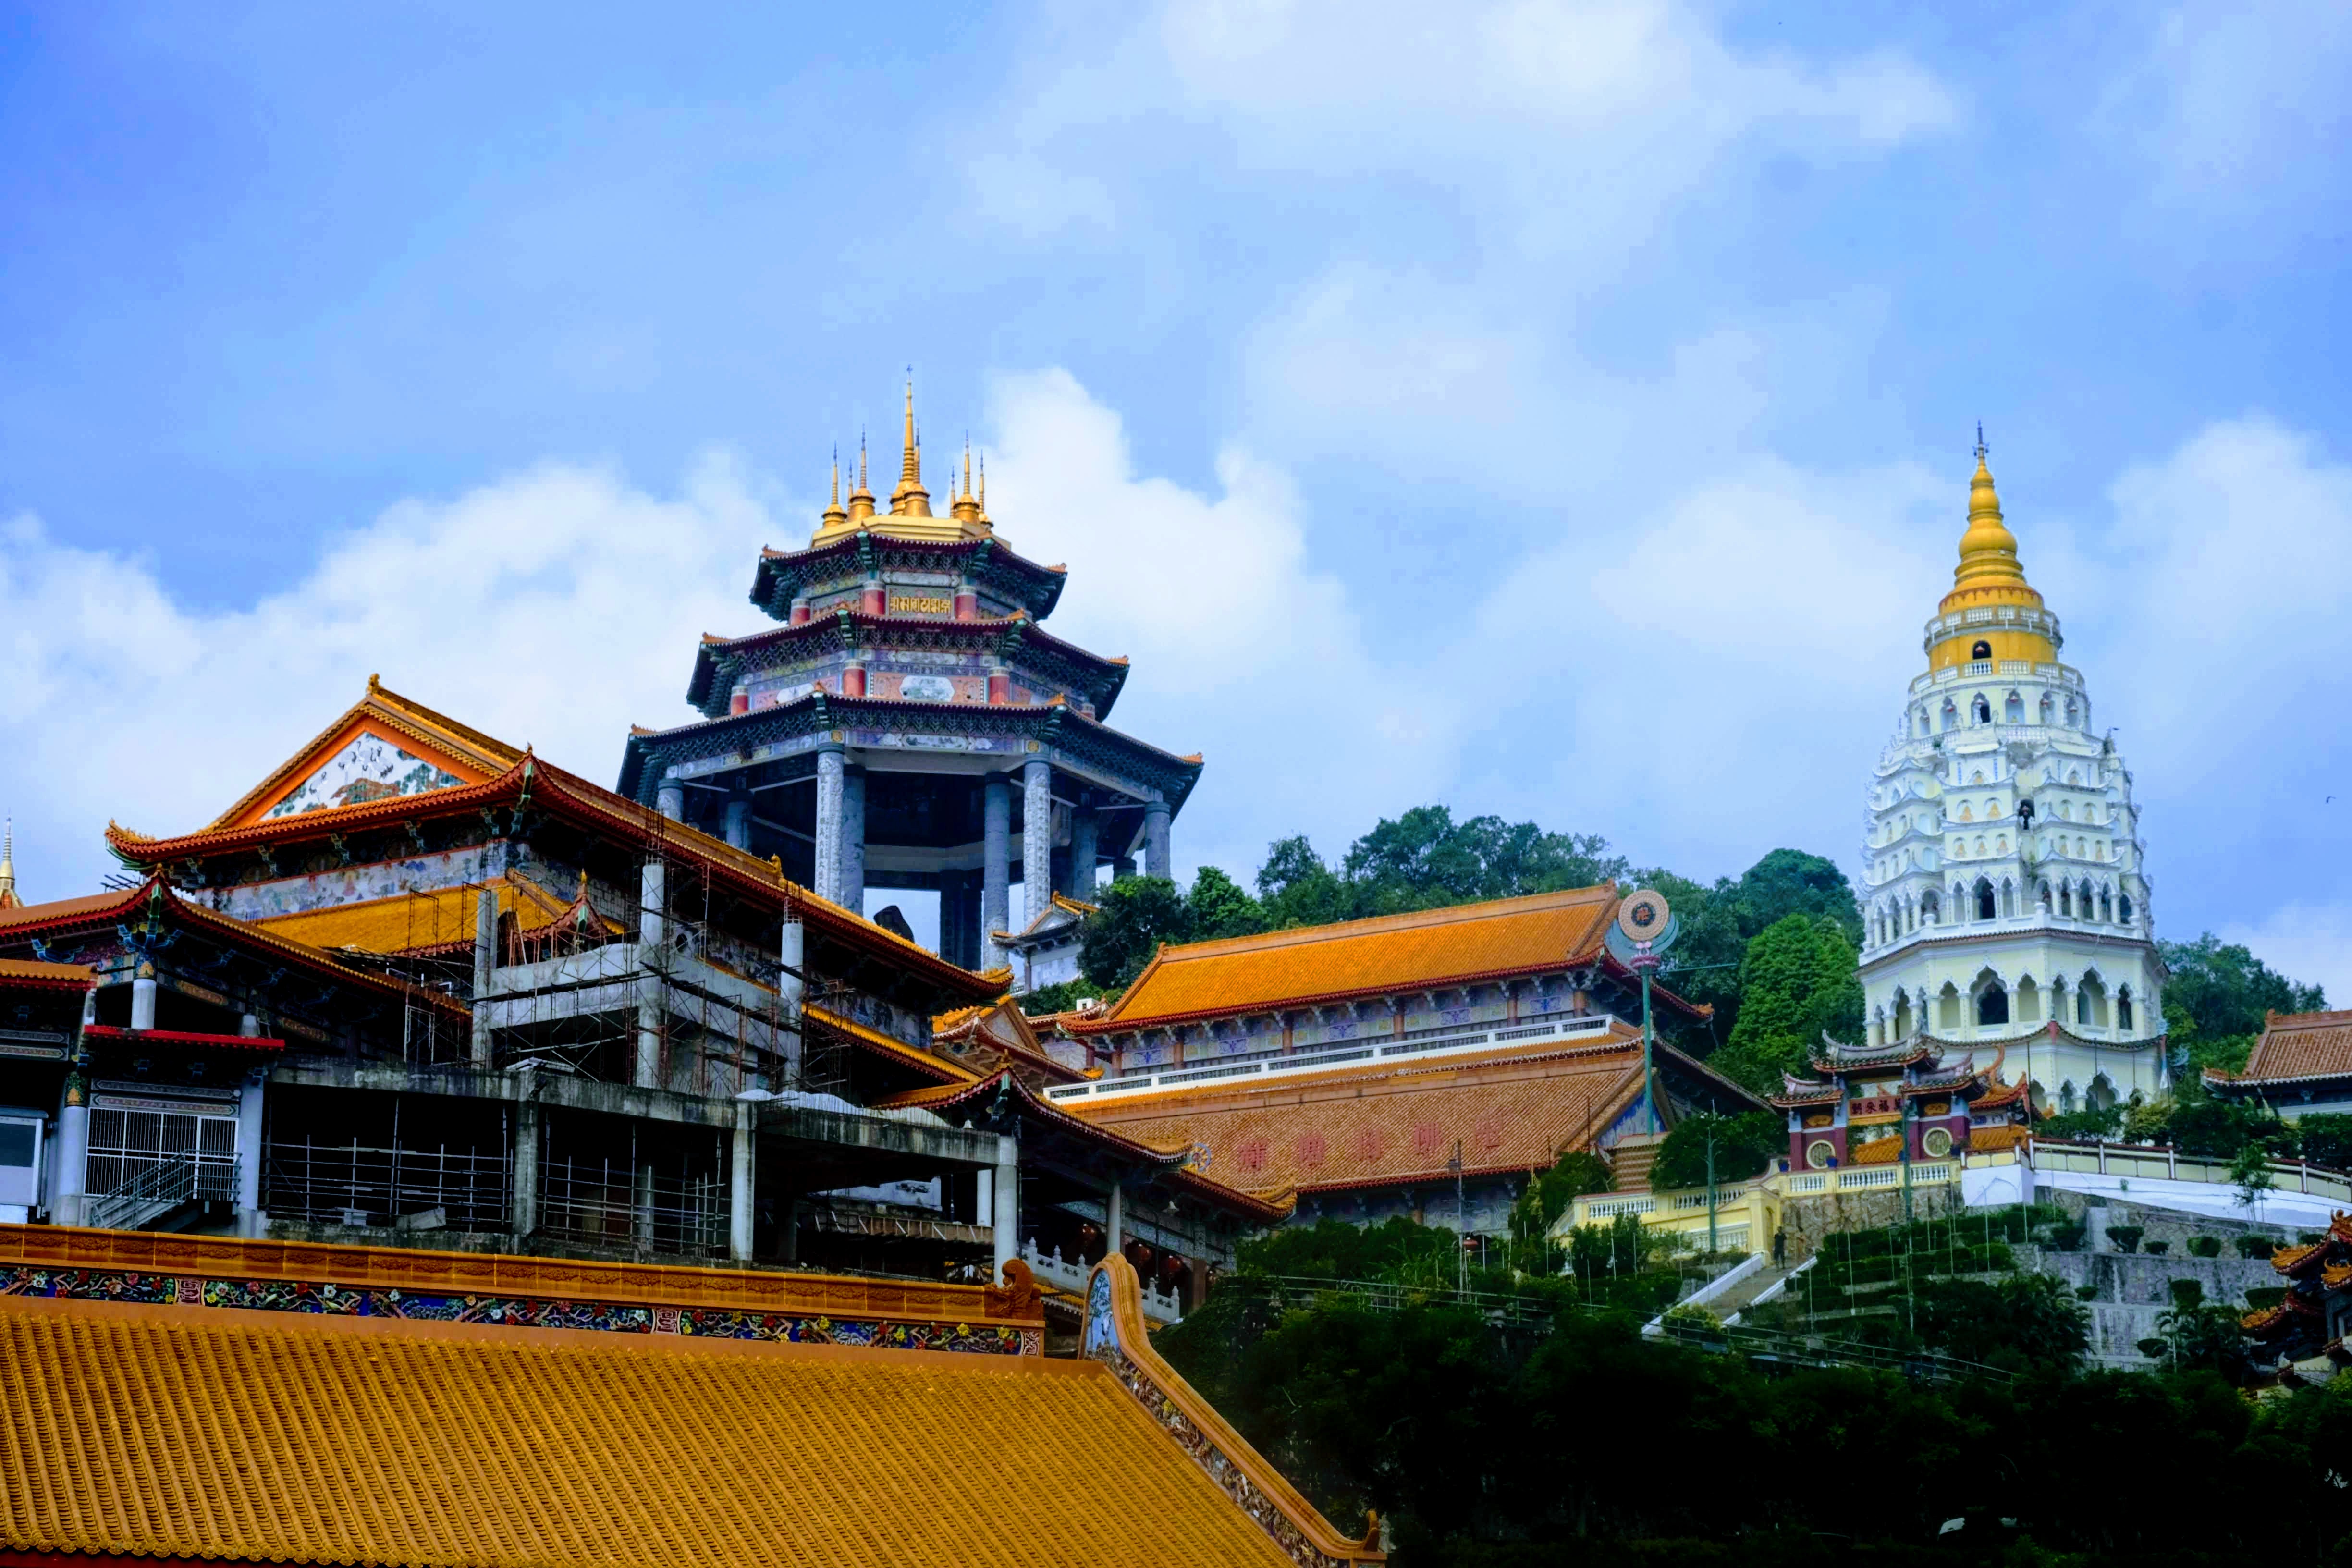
(1985, 1140)
(440, 917)
(898, 1051)
(1509, 1111)
(485, 756)
(32, 972)
(196, 1432)
(1355, 958)
(2301, 1044)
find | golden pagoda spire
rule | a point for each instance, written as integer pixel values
(910, 500)
(1988, 550)
(834, 516)
(8, 899)
(861, 499)
(967, 506)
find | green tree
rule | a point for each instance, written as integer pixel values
(1295, 888)
(1717, 922)
(1798, 981)
(1790, 882)
(1136, 915)
(1219, 907)
(1745, 1146)
(2020, 1323)
(2218, 995)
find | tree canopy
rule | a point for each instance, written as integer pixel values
(2217, 994)
(1797, 982)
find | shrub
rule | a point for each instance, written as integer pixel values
(2157, 1248)
(2153, 1349)
(2263, 1296)
(2126, 1236)
(2066, 1237)
(2257, 1246)
(2086, 1292)
(2205, 1246)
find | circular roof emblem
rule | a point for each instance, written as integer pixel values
(1643, 917)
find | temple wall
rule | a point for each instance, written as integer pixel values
(354, 884)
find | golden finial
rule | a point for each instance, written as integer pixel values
(910, 500)
(983, 496)
(834, 516)
(1988, 550)
(967, 506)
(861, 499)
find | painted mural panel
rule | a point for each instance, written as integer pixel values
(369, 768)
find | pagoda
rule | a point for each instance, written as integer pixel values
(909, 724)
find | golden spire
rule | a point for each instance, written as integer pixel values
(861, 499)
(8, 899)
(910, 500)
(1988, 550)
(967, 506)
(834, 516)
(982, 496)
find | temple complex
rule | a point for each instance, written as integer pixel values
(2302, 1066)
(2314, 1314)
(909, 724)
(1419, 1065)
(2003, 895)
(1877, 1106)
(419, 987)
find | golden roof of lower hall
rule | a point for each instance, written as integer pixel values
(2298, 1046)
(1428, 948)
(1387, 1125)
(429, 919)
(201, 1432)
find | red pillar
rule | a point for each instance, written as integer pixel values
(852, 681)
(873, 601)
(800, 612)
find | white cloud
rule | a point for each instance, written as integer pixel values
(2233, 102)
(2307, 942)
(552, 608)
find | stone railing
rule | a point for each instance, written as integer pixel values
(1071, 1275)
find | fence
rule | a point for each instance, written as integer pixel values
(353, 1184)
(616, 1204)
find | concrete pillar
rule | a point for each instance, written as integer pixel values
(1115, 1233)
(648, 1074)
(73, 1151)
(1156, 858)
(642, 1226)
(669, 799)
(853, 840)
(1036, 838)
(791, 988)
(738, 819)
(995, 883)
(486, 965)
(142, 997)
(1004, 1217)
(1122, 866)
(739, 1184)
(1082, 852)
(529, 1144)
(653, 902)
(250, 1217)
(829, 782)
(249, 1027)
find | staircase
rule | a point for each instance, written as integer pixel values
(159, 1189)
(1631, 1159)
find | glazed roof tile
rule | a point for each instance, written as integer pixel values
(1389, 1124)
(31, 974)
(1428, 948)
(197, 1432)
(2300, 1046)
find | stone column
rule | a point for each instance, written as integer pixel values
(669, 799)
(653, 931)
(1156, 861)
(1122, 866)
(1005, 1217)
(829, 782)
(791, 989)
(73, 1150)
(486, 969)
(1115, 1233)
(250, 1217)
(1036, 838)
(853, 840)
(1082, 852)
(996, 849)
(739, 1182)
(738, 819)
(522, 1195)
(142, 997)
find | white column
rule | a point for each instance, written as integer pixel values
(853, 840)
(250, 1217)
(792, 986)
(1036, 838)
(738, 821)
(828, 823)
(996, 847)
(1116, 1232)
(1005, 1217)
(653, 931)
(485, 967)
(523, 1197)
(1156, 858)
(142, 997)
(73, 1151)
(739, 1184)
(669, 798)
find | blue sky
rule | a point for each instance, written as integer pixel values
(1561, 411)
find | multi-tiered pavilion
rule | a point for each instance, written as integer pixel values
(910, 725)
